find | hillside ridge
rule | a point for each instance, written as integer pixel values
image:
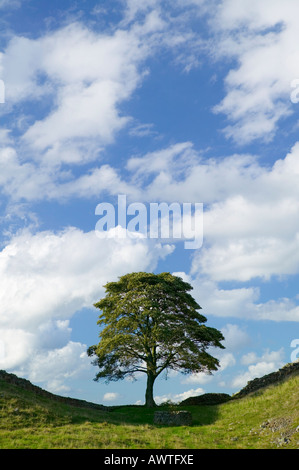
(27, 385)
(252, 386)
(258, 383)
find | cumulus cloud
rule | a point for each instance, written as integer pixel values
(17, 346)
(46, 278)
(178, 397)
(235, 337)
(250, 220)
(250, 210)
(261, 38)
(45, 274)
(31, 182)
(268, 356)
(242, 302)
(10, 4)
(134, 8)
(84, 89)
(111, 396)
(83, 77)
(198, 378)
(226, 359)
(57, 368)
(269, 362)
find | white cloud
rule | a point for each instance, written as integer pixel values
(46, 271)
(10, 4)
(197, 378)
(84, 77)
(53, 334)
(251, 228)
(224, 302)
(111, 396)
(241, 302)
(251, 211)
(180, 172)
(5, 137)
(103, 73)
(32, 182)
(178, 397)
(135, 8)
(261, 38)
(268, 356)
(47, 277)
(247, 259)
(235, 337)
(249, 358)
(17, 346)
(56, 368)
(269, 362)
(23, 180)
(226, 360)
(85, 91)
(162, 161)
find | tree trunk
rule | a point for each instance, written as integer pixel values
(149, 397)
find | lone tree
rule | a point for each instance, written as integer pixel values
(151, 324)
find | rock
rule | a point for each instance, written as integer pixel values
(281, 425)
(173, 418)
(277, 424)
(282, 441)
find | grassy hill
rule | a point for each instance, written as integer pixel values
(265, 419)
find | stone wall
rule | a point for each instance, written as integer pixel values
(207, 399)
(173, 418)
(270, 379)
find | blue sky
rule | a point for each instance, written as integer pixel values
(186, 101)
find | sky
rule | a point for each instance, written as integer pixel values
(181, 101)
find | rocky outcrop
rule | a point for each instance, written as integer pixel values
(270, 379)
(27, 385)
(207, 399)
(173, 418)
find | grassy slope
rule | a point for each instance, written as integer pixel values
(29, 421)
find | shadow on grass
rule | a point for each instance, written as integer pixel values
(22, 408)
(202, 415)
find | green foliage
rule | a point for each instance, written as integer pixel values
(150, 323)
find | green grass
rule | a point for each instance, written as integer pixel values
(34, 422)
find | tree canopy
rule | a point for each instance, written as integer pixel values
(150, 323)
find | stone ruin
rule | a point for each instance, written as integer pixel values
(173, 418)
